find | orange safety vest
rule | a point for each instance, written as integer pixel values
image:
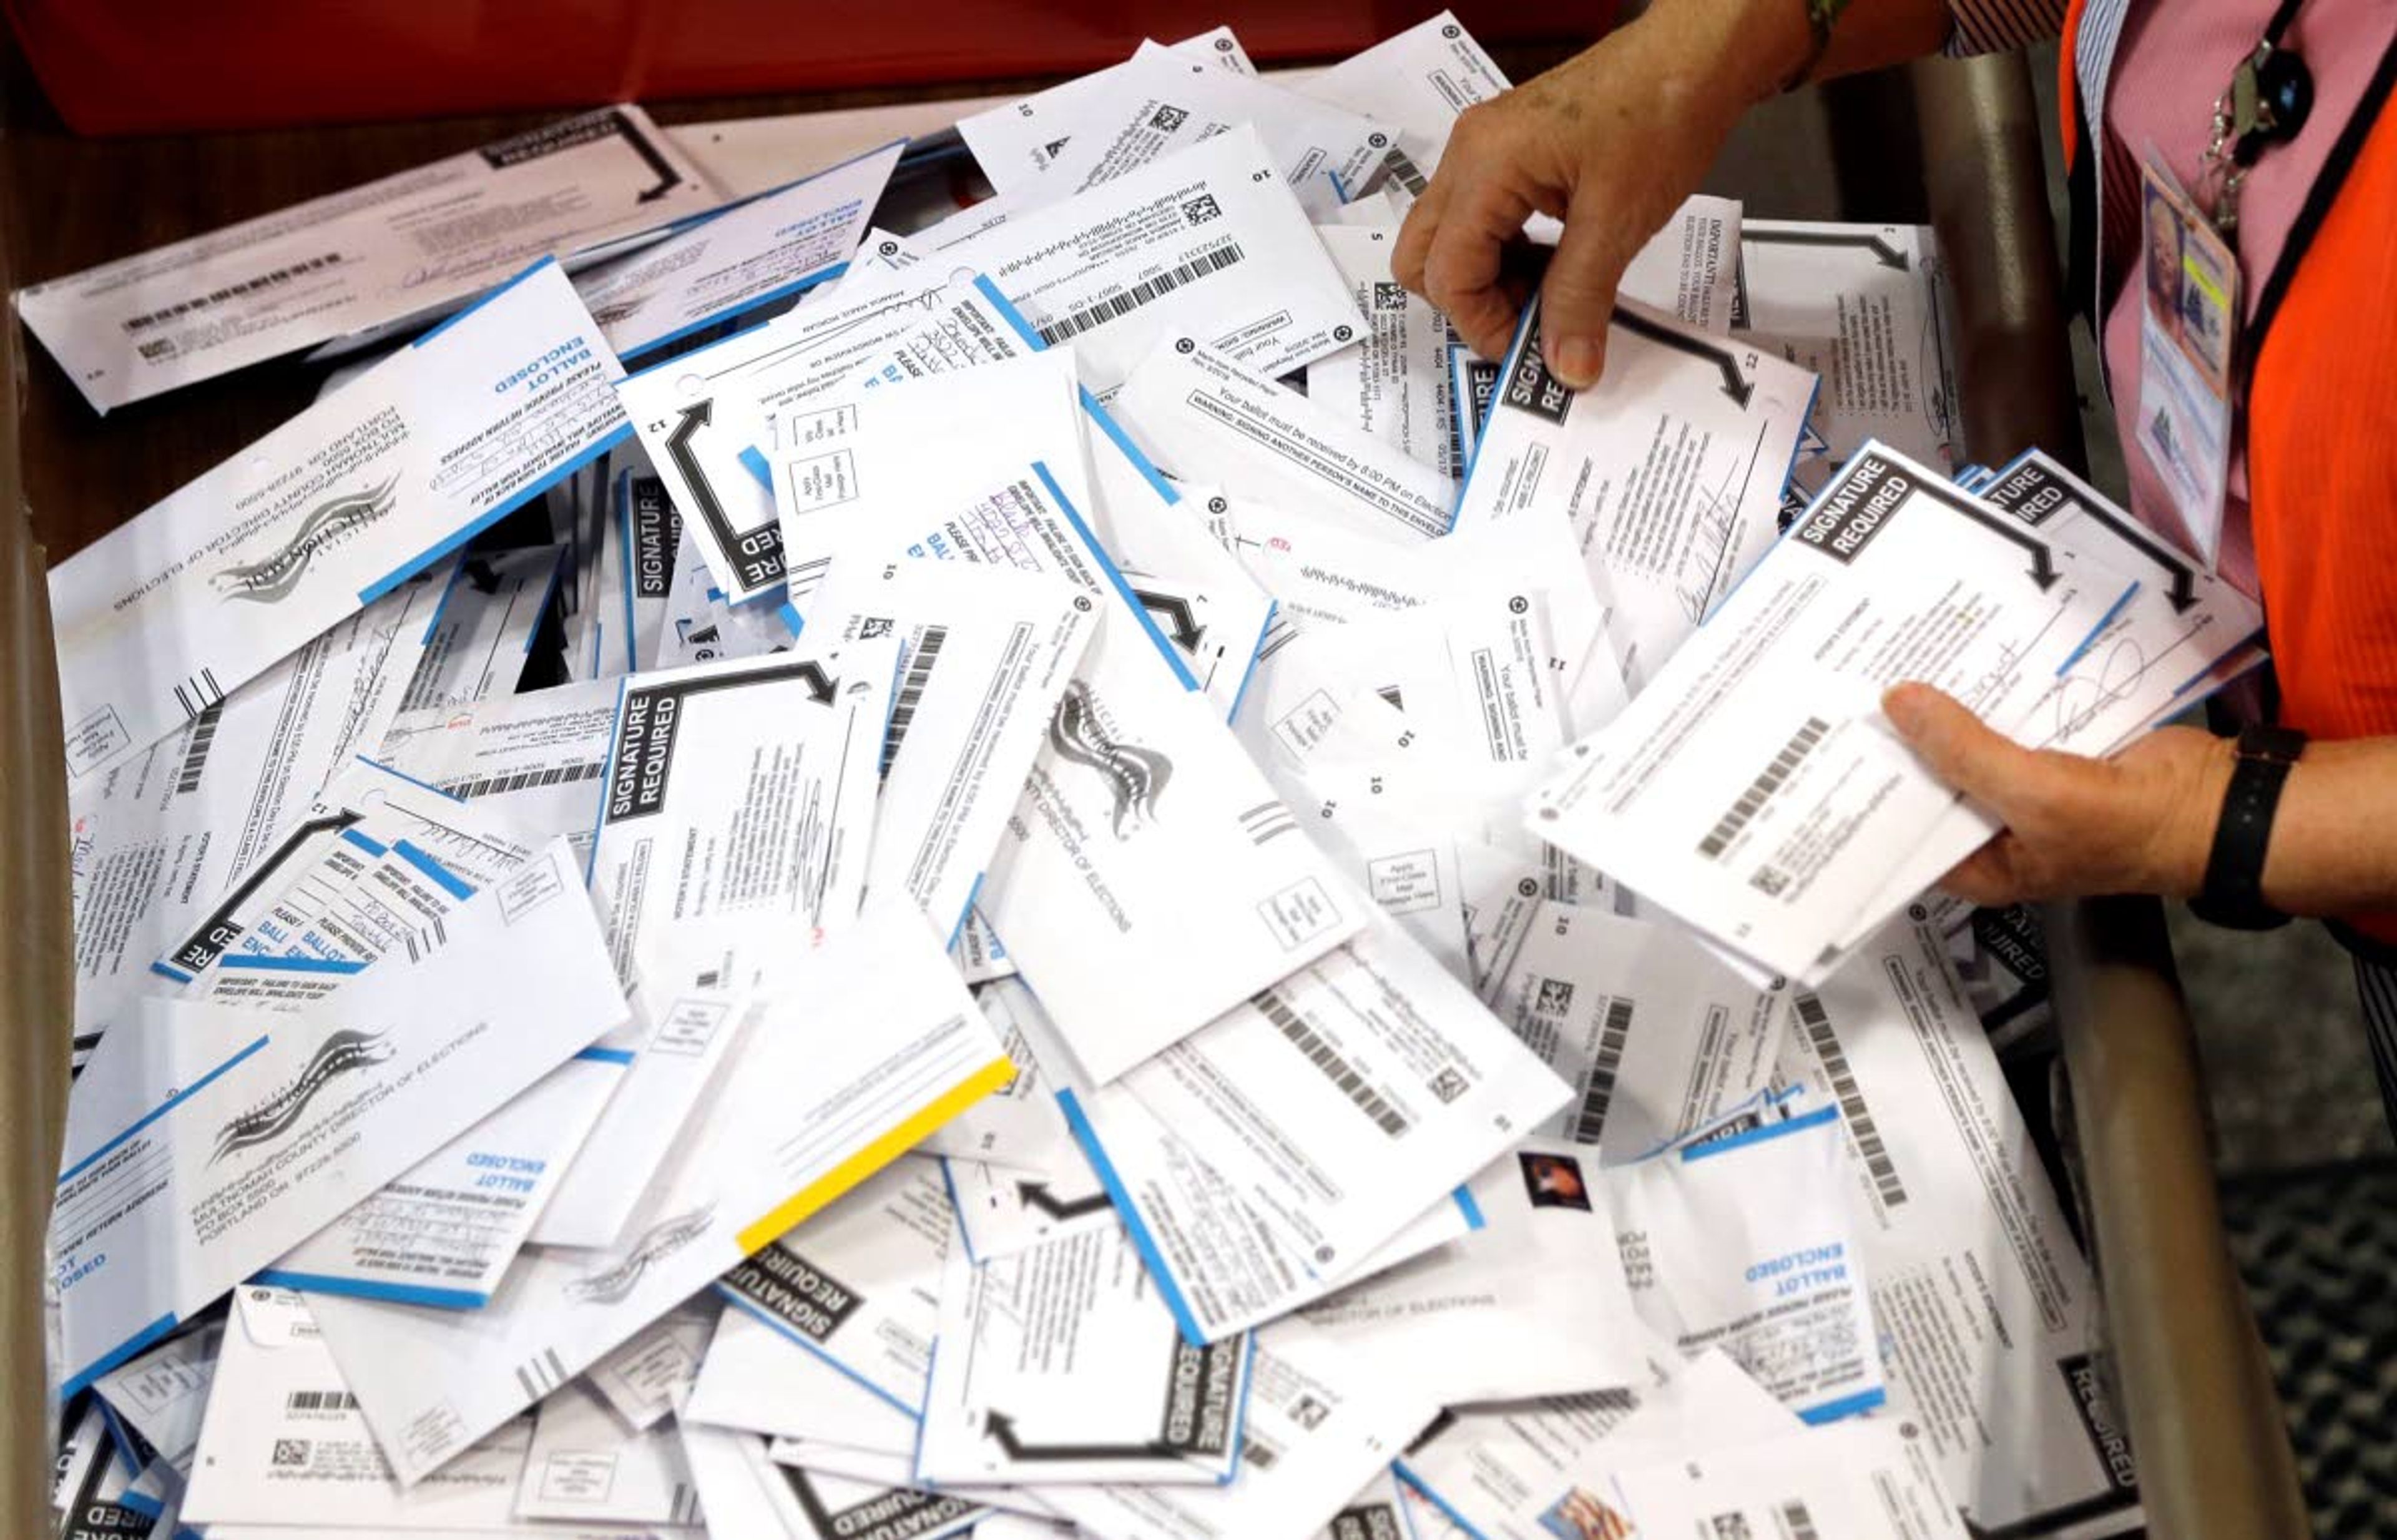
(2321, 470)
(2321, 423)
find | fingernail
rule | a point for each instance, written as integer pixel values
(1576, 362)
(1903, 706)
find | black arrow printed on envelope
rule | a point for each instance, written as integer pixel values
(668, 178)
(1889, 256)
(1182, 624)
(1002, 1426)
(1036, 1195)
(2183, 593)
(699, 414)
(1735, 385)
(260, 874)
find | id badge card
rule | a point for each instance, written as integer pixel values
(2188, 329)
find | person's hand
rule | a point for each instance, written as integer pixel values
(2139, 822)
(1609, 141)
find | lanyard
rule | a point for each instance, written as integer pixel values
(2268, 101)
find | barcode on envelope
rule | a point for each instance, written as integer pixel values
(554, 775)
(911, 691)
(1759, 791)
(320, 1400)
(1410, 175)
(542, 1374)
(232, 291)
(1884, 1170)
(197, 693)
(1612, 1035)
(1798, 1521)
(1139, 294)
(1336, 1068)
(195, 755)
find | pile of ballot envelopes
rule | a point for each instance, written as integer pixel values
(1057, 872)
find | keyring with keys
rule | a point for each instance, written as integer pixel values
(2271, 95)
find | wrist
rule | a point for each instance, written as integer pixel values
(2182, 842)
(1736, 53)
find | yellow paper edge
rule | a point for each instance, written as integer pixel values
(897, 1141)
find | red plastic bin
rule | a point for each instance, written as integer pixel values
(155, 66)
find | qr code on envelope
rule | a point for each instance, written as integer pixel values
(1198, 210)
(1166, 119)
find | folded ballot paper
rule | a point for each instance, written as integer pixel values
(846, 867)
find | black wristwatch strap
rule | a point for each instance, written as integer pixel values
(2234, 871)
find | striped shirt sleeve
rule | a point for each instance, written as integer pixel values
(1993, 26)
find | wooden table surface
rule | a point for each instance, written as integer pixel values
(72, 203)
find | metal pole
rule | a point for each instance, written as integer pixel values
(36, 965)
(2203, 1419)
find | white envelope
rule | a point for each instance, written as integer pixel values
(1860, 1482)
(205, 1147)
(160, 1395)
(445, 1232)
(1014, 143)
(1395, 383)
(1750, 791)
(1201, 413)
(1151, 879)
(1958, 1226)
(1061, 1363)
(873, 1043)
(1654, 1033)
(482, 632)
(1208, 241)
(163, 617)
(1162, 100)
(284, 1444)
(653, 1372)
(159, 838)
(1322, 1417)
(1862, 305)
(737, 259)
(1419, 79)
(376, 864)
(849, 470)
(1315, 1121)
(987, 654)
(1534, 1302)
(697, 413)
(1525, 1470)
(1197, 593)
(758, 1378)
(533, 761)
(739, 803)
(1736, 1239)
(583, 1465)
(745, 1493)
(365, 259)
(1669, 468)
(2154, 657)
(860, 1286)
